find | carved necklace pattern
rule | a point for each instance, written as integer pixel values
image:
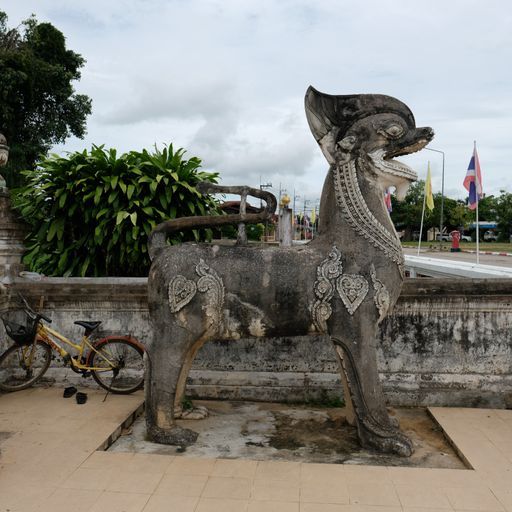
(355, 210)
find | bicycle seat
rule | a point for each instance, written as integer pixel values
(88, 326)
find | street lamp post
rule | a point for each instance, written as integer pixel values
(442, 200)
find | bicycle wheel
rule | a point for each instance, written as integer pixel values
(121, 365)
(23, 366)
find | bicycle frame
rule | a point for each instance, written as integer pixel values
(48, 335)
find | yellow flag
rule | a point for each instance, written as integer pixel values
(428, 190)
(313, 216)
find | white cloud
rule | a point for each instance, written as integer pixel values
(226, 79)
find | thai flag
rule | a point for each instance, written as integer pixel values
(473, 180)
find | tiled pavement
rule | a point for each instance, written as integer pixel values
(50, 464)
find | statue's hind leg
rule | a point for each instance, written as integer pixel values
(358, 359)
(167, 367)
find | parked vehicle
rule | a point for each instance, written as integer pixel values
(490, 236)
(448, 238)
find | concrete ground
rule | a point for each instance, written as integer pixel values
(49, 462)
(294, 432)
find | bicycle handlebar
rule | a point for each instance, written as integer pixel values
(31, 312)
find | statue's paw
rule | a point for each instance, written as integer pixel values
(385, 439)
(401, 445)
(397, 444)
(198, 412)
(174, 435)
(394, 422)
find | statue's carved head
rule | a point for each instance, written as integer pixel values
(373, 127)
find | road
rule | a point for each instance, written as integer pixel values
(485, 259)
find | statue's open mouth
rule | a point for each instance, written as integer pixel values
(384, 158)
(389, 166)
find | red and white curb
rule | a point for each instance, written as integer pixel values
(489, 253)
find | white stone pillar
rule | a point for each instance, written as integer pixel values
(285, 227)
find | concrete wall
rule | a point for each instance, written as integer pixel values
(447, 343)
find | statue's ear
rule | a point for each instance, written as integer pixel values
(347, 144)
(336, 152)
(328, 146)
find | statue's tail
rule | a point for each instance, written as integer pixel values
(157, 237)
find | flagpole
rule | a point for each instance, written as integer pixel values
(477, 201)
(422, 215)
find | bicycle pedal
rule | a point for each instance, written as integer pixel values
(86, 374)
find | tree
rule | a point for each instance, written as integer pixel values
(504, 215)
(487, 208)
(406, 214)
(90, 213)
(38, 107)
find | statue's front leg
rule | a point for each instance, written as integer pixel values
(358, 358)
(164, 365)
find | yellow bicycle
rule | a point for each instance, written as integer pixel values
(115, 362)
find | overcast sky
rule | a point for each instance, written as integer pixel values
(225, 79)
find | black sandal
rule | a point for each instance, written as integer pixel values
(81, 398)
(69, 392)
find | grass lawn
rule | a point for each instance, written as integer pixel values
(484, 246)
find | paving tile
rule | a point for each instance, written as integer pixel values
(221, 505)
(237, 468)
(107, 460)
(149, 462)
(471, 498)
(272, 506)
(324, 493)
(158, 503)
(422, 496)
(85, 478)
(504, 496)
(191, 466)
(373, 493)
(275, 490)
(181, 485)
(323, 473)
(227, 487)
(61, 499)
(120, 502)
(423, 509)
(361, 475)
(410, 476)
(323, 507)
(277, 470)
(452, 478)
(133, 482)
(497, 478)
(23, 498)
(53, 454)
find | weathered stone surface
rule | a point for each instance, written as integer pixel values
(12, 231)
(342, 284)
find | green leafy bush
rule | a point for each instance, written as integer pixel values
(90, 213)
